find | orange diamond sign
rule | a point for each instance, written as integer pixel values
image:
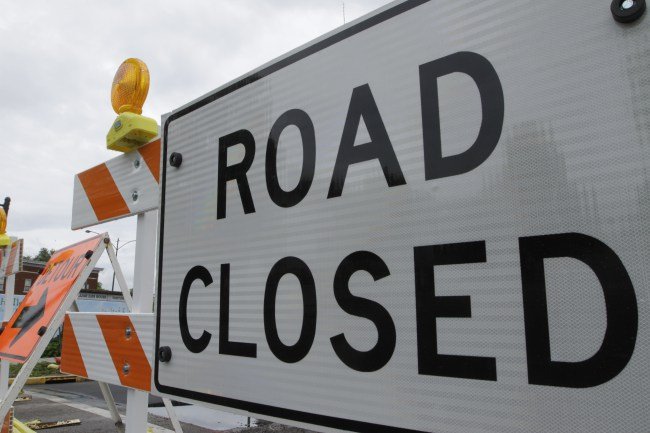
(47, 295)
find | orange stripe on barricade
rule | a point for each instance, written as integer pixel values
(101, 190)
(71, 360)
(11, 259)
(8, 422)
(126, 185)
(126, 351)
(151, 154)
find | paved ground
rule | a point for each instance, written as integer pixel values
(45, 410)
(270, 428)
(91, 390)
(83, 400)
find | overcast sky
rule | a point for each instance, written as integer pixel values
(57, 62)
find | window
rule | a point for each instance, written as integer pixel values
(28, 284)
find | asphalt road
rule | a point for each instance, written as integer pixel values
(47, 411)
(91, 390)
(83, 400)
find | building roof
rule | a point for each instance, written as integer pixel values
(40, 264)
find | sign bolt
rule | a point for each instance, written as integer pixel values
(134, 195)
(126, 368)
(626, 11)
(127, 332)
(175, 159)
(164, 353)
(136, 163)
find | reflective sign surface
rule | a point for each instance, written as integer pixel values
(433, 219)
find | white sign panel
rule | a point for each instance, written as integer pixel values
(433, 219)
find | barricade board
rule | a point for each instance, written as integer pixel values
(110, 348)
(48, 294)
(436, 218)
(11, 258)
(123, 186)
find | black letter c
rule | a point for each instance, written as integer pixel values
(195, 345)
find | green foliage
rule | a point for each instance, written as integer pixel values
(44, 255)
(39, 370)
(53, 349)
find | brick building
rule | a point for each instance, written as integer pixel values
(31, 270)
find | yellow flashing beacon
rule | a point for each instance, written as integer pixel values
(5, 240)
(129, 91)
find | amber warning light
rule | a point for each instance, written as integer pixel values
(129, 91)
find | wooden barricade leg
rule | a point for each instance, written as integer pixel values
(143, 284)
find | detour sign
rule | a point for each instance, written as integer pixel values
(30, 321)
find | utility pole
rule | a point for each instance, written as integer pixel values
(117, 249)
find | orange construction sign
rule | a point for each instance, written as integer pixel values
(35, 313)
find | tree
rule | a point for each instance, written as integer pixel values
(43, 255)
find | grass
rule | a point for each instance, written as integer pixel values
(38, 371)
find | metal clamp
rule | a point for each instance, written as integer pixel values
(175, 159)
(627, 11)
(164, 354)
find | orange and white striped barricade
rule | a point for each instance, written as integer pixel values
(123, 186)
(114, 349)
(110, 348)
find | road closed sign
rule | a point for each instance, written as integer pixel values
(434, 219)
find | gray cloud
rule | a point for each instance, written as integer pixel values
(57, 63)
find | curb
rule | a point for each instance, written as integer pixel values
(51, 379)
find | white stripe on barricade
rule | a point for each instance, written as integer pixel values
(110, 348)
(123, 186)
